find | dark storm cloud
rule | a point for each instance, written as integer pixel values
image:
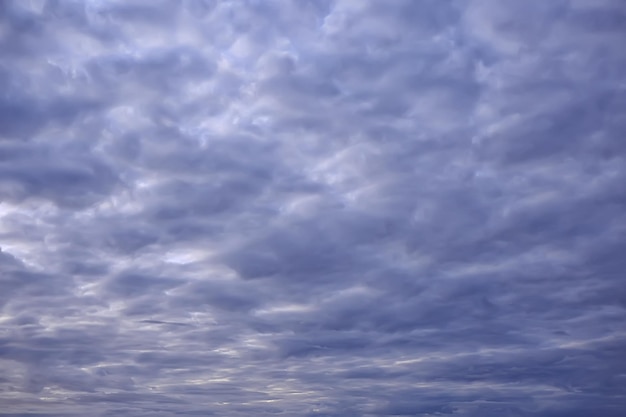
(318, 208)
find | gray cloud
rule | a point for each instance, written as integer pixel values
(315, 208)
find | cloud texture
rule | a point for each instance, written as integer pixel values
(312, 208)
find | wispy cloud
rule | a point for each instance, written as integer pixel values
(312, 208)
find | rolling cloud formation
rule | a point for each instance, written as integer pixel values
(313, 208)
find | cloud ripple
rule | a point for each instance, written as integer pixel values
(312, 208)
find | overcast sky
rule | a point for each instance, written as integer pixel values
(313, 208)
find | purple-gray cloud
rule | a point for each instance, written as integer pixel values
(312, 208)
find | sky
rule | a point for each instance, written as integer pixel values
(313, 208)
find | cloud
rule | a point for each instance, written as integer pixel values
(313, 208)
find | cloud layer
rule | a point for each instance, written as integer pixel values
(312, 208)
